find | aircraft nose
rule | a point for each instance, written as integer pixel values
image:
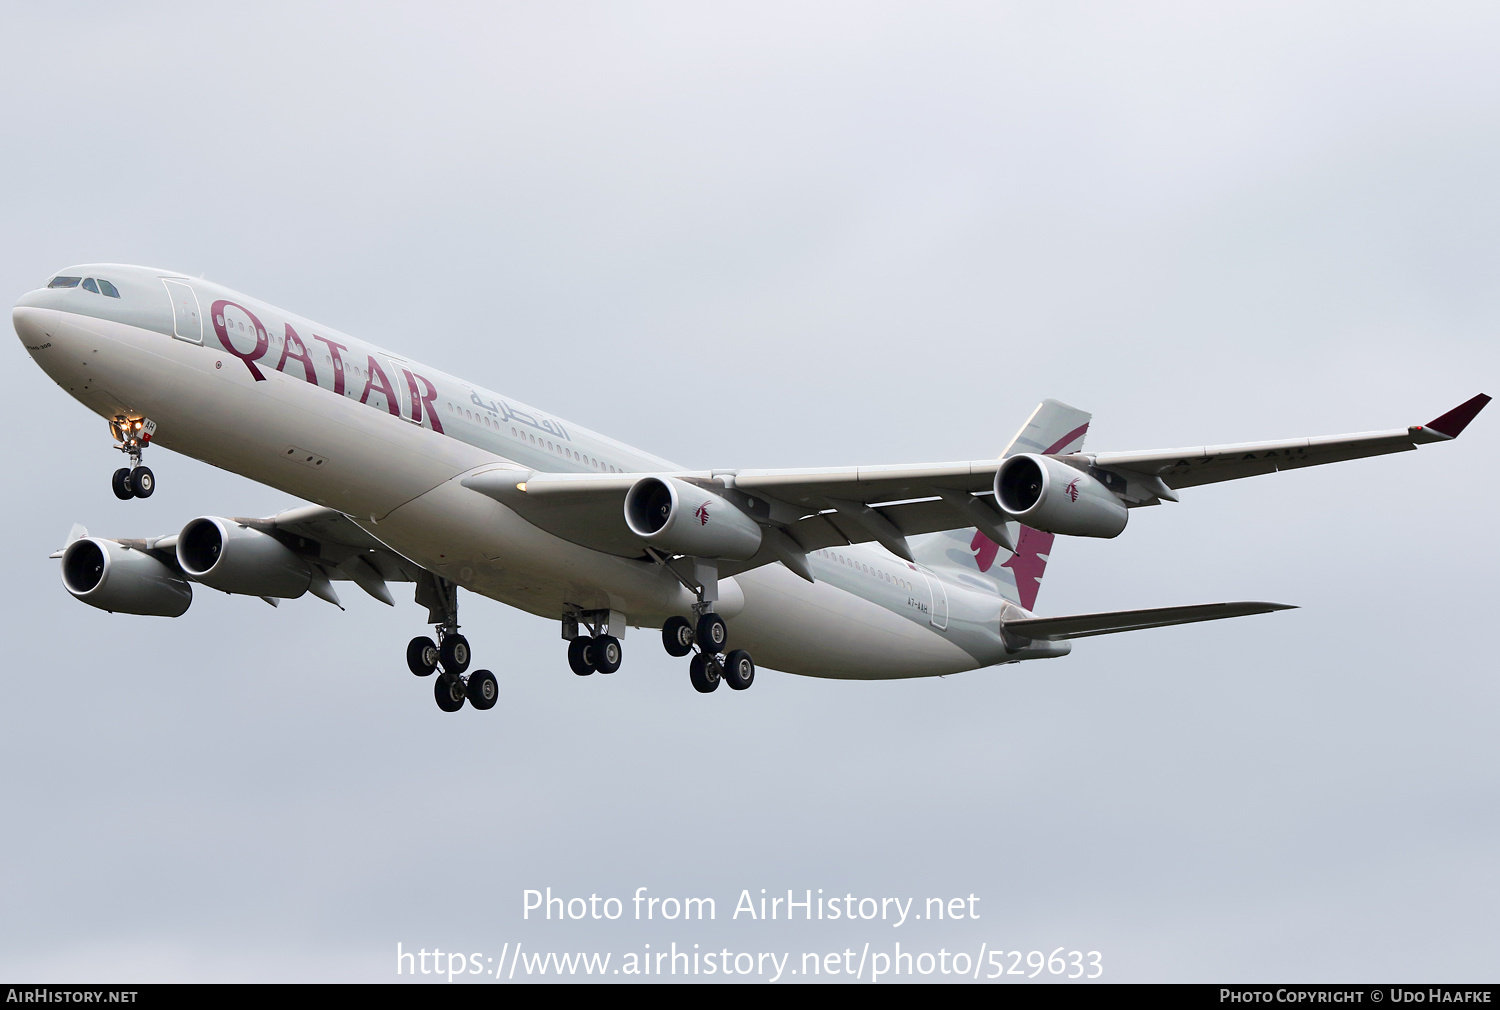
(32, 299)
(33, 325)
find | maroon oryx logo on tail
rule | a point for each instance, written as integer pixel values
(701, 514)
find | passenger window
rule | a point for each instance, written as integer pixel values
(89, 285)
(64, 282)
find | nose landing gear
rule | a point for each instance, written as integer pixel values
(133, 434)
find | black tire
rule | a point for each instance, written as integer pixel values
(449, 692)
(422, 656)
(607, 654)
(704, 672)
(581, 656)
(677, 636)
(739, 670)
(482, 690)
(142, 482)
(712, 633)
(120, 482)
(454, 655)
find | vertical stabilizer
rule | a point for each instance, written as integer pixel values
(968, 555)
(1053, 427)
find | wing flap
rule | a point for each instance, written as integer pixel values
(333, 540)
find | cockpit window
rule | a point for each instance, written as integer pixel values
(64, 282)
(106, 288)
(89, 285)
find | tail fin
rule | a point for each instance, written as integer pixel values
(76, 533)
(1052, 427)
(969, 555)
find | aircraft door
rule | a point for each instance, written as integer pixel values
(394, 368)
(938, 615)
(187, 319)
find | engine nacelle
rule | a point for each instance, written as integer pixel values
(116, 578)
(1055, 498)
(237, 559)
(682, 518)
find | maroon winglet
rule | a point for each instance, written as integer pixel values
(1457, 419)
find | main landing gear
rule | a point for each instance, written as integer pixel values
(710, 664)
(708, 635)
(133, 434)
(597, 651)
(449, 656)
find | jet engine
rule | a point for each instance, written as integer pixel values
(227, 556)
(1055, 498)
(113, 577)
(682, 518)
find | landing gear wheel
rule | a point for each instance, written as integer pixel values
(712, 633)
(454, 654)
(142, 482)
(739, 670)
(607, 655)
(482, 690)
(120, 482)
(677, 636)
(422, 656)
(581, 656)
(449, 692)
(704, 672)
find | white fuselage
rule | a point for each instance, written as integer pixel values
(324, 416)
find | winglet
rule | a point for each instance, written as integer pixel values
(1457, 419)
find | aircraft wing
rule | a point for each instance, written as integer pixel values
(804, 510)
(333, 546)
(811, 509)
(1208, 464)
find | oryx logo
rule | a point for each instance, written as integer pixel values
(1072, 489)
(701, 514)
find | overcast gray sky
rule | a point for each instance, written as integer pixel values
(789, 235)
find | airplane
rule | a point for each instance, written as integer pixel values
(416, 476)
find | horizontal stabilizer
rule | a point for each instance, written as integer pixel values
(1084, 625)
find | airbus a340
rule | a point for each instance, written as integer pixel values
(861, 572)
